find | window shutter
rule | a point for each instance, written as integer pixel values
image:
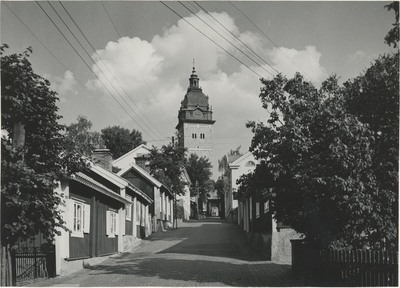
(86, 217)
(108, 223)
(69, 214)
(117, 224)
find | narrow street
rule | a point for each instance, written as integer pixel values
(210, 252)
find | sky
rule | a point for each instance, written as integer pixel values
(128, 63)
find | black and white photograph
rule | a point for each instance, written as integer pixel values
(199, 143)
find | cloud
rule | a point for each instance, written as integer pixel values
(155, 76)
(64, 86)
(307, 62)
(358, 56)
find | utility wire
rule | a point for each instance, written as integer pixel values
(120, 36)
(255, 53)
(58, 60)
(211, 39)
(87, 65)
(258, 64)
(262, 32)
(106, 66)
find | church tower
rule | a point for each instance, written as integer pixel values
(195, 120)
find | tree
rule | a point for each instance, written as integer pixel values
(316, 166)
(199, 170)
(120, 140)
(81, 139)
(30, 168)
(166, 166)
(392, 37)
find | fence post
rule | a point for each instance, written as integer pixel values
(13, 268)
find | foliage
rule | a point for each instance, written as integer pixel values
(392, 37)
(120, 140)
(199, 170)
(81, 139)
(30, 172)
(166, 166)
(317, 164)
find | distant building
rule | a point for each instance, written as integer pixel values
(195, 124)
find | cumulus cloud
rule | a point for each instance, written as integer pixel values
(307, 62)
(155, 74)
(65, 86)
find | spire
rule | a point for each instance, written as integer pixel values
(194, 79)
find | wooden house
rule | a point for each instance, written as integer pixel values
(104, 213)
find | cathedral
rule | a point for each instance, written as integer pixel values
(195, 124)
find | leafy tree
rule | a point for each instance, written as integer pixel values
(317, 166)
(30, 169)
(392, 36)
(120, 140)
(80, 138)
(199, 170)
(166, 166)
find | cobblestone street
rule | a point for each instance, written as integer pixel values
(199, 253)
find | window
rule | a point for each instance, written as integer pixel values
(137, 212)
(128, 209)
(257, 209)
(251, 208)
(194, 135)
(112, 223)
(78, 217)
(250, 164)
(202, 136)
(266, 206)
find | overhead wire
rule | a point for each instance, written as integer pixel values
(240, 50)
(87, 65)
(115, 78)
(58, 60)
(205, 35)
(237, 38)
(263, 33)
(120, 36)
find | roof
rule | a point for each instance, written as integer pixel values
(118, 181)
(142, 172)
(131, 153)
(232, 158)
(195, 98)
(90, 182)
(237, 162)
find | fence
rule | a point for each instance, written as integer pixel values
(339, 267)
(31, 263)
(361, 267)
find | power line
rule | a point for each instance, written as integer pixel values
(237, 38)
(262, 32)
(58, 60)
(226, 39)
(80, 30)
(120, 36)
(87, 65)
(211, 39)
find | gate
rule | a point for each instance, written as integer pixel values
(30, 263)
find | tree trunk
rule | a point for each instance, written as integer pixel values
(3, 266)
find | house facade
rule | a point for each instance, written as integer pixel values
(269, 238)
(137, 162)
(104, 213)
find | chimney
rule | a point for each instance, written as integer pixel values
(103, 158)
(143, 161)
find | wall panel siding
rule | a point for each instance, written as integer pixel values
(79, 247)
(105, 245)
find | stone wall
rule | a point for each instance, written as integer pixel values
(281, 248)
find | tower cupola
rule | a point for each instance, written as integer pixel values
(194, 79)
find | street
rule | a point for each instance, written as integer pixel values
(209, 252)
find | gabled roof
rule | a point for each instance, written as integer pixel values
(239, 160)
(118, 181)
(142, 172)
(90, 182)
(131, 153)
